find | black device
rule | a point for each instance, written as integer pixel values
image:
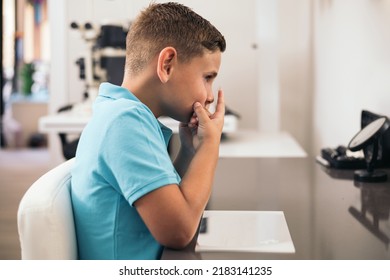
(112, 45)
(368, 140)
(341, 157)
(383, 157)
(107, 53)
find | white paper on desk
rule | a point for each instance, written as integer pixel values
(245, 231)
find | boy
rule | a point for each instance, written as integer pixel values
(129, 199)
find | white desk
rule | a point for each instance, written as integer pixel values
(254, 144)
(75, 123)
(238, 143)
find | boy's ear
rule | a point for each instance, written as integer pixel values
(166, 62)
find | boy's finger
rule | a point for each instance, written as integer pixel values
(220, 108)
(200, 112)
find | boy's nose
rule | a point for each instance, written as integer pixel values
(209, 101)
(210, 98)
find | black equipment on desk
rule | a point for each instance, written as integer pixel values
(112, 45)
(383, 158)
(105, 59)
(368, 140)
(342, 157)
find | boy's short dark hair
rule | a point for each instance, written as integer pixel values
(173, 25)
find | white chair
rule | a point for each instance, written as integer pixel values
(45, 217)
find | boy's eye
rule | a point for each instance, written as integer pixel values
(209, 78)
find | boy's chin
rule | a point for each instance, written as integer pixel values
(183, 118)
(186, 119)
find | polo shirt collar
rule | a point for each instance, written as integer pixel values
(109, 90)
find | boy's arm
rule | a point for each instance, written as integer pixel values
(172, 213)
(186, 151)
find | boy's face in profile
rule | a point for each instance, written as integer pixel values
(192, 82)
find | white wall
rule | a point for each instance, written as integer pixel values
(295, 69)
(351, 67)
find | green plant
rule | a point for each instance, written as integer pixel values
(26, 76)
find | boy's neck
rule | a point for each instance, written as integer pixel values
(143, 88)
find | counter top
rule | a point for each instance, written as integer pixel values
(236, 143)
(329, 216)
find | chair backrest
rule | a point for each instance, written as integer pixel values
(45, 217)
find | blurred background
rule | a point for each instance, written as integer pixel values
(305, 67)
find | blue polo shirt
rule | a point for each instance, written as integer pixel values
(121, 156)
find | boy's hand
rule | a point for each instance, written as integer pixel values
(202, 125)
(208, 127)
